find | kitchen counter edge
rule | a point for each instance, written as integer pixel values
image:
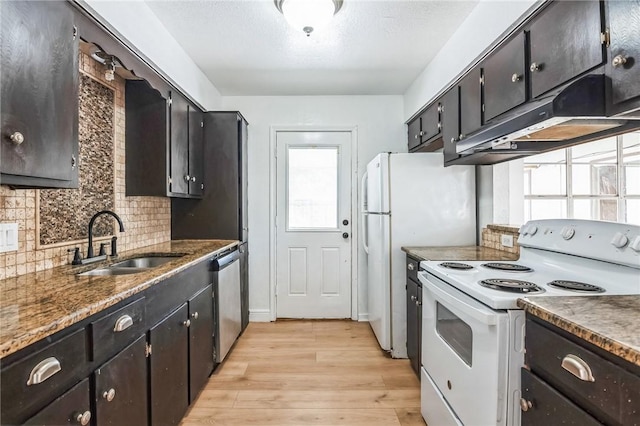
(459, 253)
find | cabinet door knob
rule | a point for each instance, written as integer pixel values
(187, 178)
(186, 323)
(418, 303)
(618, 61)
(193, 178)
(194, 315)
(413, 298)
(109, 395)
(534, 67)
(83, 418)
(17, 138)
(515, 78)
(44, 370)
(525, 405)
(411, 267)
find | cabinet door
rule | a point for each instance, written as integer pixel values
(168, 368)
(413, 133)
(623, 66)
(39, 94)
(243, 168)
(412, 326)
(504, 74)
(200, 340)
(244, 283)
(179, 143)
(121, 387)
(196, 151)
(565, 42)
(430, 120)
(450, 122)
(72, 407)
(470, 103)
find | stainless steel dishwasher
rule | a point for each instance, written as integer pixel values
(227, 303)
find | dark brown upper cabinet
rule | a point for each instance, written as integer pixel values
(426, 129)
(504, 78)
(565, 41)
(164, 143)
(414, 138)
(450, 122)
(470, 102)
(623, 23)
(39, 94)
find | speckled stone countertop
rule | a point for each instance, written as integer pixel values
(459, 253)
(609, 322)
(36, 305)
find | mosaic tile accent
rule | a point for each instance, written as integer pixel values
(65, 213)
(492, 233)
(147, 220)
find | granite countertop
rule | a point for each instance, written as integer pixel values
(609, 322)
(459, 253)
(36, 305)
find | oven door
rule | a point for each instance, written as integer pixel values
(465, 352)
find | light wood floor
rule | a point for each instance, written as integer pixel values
(309, 373)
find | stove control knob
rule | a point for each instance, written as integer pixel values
(532, 230)
(567, 233)
(635, 244)
(619, 240)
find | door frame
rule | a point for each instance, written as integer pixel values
(273, 147)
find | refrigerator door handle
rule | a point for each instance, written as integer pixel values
(365, 217)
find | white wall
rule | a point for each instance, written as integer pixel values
(486, 22)
(379, 128)
(140, 27)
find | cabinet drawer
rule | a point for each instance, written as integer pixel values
(116, 330)
(412, 268)
(548, 406)
(613, 396)
(31, 383)
(72, 407)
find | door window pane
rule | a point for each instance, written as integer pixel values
(312, 188)
(455, 332)
(596, 209)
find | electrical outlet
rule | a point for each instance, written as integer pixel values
(8, 237)
(506, 240)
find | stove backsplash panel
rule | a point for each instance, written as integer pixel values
(492, 237)
(147, 220)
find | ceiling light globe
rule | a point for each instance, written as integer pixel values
(304, 14)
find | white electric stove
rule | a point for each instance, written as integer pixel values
(473, 330)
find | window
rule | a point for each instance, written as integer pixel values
(599, 180)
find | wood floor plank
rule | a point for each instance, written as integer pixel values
(293, 417)
(309, 373)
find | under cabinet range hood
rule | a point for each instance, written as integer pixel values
(573, 114)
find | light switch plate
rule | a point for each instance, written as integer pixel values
(8, 237)
(506, 240)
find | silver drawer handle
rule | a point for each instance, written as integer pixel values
(578, 367)
(45, 369)
(123, 323)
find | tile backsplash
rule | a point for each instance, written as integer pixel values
(492, 235)
(147, 220)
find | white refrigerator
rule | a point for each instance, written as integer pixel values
(409, 200)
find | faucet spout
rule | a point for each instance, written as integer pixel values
(92, 221)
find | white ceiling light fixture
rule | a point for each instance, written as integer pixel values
(308, 15)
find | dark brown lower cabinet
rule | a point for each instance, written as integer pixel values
(73, 407)
(200, 340)
(121, 387)
(541, 404)
(169, 368)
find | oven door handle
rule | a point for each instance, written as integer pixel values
(480, 313)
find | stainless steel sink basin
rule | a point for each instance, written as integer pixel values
(113, 271)
(144, 262)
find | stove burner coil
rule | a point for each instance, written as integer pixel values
(456, 265)
(510, 267)
(514, 286)
(576, 286)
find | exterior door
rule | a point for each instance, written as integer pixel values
(313, 220)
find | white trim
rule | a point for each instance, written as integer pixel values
(363, 317)
(259, 315)
(273, 203)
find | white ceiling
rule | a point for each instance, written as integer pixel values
(371, 47)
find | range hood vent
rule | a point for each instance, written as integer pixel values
(573, 114)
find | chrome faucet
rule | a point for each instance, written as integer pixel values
(91, 222)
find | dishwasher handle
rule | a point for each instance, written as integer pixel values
(224, 261)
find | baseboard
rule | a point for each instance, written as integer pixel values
(259, 315)
(363, 317)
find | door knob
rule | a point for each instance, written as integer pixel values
(618, 60)
(345, 222)
(17, 138)
(345, 235)
(109, 395)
